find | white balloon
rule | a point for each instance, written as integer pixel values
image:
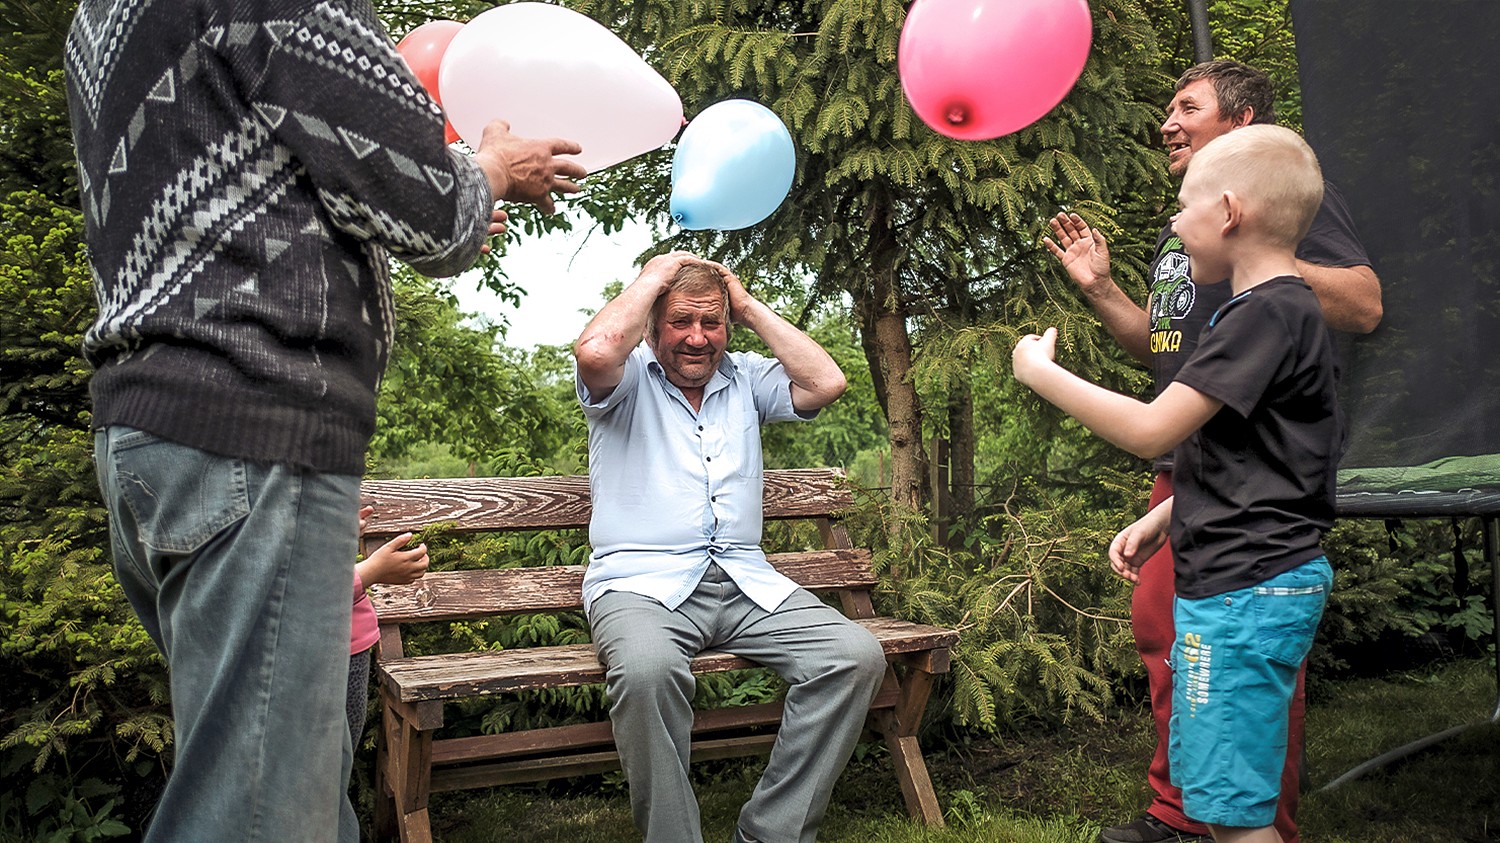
(552, 72)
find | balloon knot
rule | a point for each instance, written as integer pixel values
(958, 115)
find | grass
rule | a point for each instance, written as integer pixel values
(1057, 786)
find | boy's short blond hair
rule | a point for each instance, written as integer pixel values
(1274, 173)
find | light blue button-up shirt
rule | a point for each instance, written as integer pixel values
(674, 489)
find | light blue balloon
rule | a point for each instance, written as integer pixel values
(733, 166)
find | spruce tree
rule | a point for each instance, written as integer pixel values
(928, 236)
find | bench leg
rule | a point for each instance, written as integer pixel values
(385, 798)
(409, 775)
(899, 728)
(416, 827)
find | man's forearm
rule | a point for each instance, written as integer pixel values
(604, 345)
(1349, 295)
(1125, 320)
(817, 380)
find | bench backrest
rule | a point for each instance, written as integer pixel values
(492, 504)
(484, 504)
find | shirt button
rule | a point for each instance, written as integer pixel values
(700, 427)
(714, 498)
(708, 459)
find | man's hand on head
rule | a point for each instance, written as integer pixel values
(660, 270)
(526, 169)
(740, 299)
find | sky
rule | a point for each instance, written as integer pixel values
(562, 274)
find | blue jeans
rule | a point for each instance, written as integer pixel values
(239, 571)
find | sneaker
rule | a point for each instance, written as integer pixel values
(1149, 829)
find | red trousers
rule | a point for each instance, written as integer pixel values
(1151, 621)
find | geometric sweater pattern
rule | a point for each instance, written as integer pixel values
(246, 169)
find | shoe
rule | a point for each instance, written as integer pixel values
(742, 837)
(1149, 829)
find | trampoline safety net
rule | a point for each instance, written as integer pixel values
(1401, 102)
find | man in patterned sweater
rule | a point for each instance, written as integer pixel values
(246, 168)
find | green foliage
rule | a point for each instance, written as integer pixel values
(1259, 33)
(1043, 625)
(450, 381)
(58, 810)
(49, 302)
(1395, 585)
(86, 688)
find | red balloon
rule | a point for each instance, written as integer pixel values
(423, 50)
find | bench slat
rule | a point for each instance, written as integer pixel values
(541, 769)
(485, 504)
(450, 595)
(458, 675)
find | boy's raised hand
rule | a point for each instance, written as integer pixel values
(1033, 355)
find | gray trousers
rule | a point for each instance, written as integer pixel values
(834, 668)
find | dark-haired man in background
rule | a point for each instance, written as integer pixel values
(1211, 99)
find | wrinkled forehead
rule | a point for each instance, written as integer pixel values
(1199, 93)
(679, 305)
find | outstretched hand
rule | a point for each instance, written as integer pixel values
(1033, 354)
(1083, 251)
(526, 169)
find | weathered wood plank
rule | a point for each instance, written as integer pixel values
(541, 769)
(575, 737)
(458, 675)
(450, 595)
(483, 504)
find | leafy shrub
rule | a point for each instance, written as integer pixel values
(1044, 625)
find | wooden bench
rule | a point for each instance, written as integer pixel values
(413, 762)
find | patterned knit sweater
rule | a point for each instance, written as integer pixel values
(245, 168)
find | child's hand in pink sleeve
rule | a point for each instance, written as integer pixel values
(394, 563)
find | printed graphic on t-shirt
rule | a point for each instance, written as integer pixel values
(1172, 295)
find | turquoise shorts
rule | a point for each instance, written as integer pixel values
(1234, 668)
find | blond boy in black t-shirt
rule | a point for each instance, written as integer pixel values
(1254, 422)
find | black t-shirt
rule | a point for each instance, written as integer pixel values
(1254, 486)
(1178, 308)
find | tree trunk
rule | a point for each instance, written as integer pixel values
(961, 446)
(887, 348)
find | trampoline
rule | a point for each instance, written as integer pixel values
(1400, 102)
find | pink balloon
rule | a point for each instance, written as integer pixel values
(979, 69)
(552, 72)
